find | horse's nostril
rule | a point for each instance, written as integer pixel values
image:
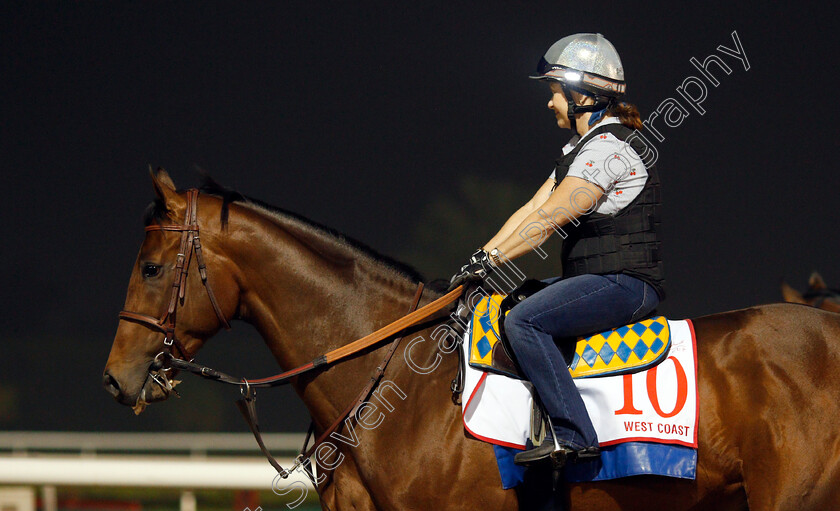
(111, 385)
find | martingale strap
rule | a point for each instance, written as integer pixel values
(248, 407)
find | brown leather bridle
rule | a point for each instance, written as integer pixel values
(190, 243)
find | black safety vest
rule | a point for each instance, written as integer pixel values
(627, 242)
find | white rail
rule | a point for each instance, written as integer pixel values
(23, 441)
(206, 460)
(145, 471)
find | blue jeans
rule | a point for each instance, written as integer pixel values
(567, 308)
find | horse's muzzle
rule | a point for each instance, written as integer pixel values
(111, 385)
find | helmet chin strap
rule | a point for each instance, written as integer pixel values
(574, 108)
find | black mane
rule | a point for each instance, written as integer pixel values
(210, 187)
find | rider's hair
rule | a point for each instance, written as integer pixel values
(627, 113)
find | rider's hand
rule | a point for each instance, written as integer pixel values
(474, 271)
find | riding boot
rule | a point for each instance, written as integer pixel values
(554, 453)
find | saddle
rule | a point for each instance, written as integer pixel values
(623, 350)
(627, 349)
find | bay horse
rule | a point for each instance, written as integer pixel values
(769, 376)
(817, 295)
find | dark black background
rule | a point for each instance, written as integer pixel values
(376, 119)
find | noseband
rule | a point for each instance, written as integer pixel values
(190, 243)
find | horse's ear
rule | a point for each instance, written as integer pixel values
(792, 295)
(165, 189)
(816, 281)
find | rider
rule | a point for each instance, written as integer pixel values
(604, 201)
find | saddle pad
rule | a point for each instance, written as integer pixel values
(637, 416)
(485, 330)
(626, 349)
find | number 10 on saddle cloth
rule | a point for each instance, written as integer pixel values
(638, 383)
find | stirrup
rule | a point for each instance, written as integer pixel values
(545, 454)
(587, 454)
(548, 453)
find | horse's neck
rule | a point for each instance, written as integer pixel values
(307, 293)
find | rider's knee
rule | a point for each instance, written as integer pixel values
(516, 321)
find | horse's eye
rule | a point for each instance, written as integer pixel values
(150, 270)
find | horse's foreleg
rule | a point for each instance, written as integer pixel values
(345, 490)
(479, 484)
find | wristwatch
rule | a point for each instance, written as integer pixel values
(495, 257)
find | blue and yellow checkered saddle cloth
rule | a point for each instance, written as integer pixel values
(626, 349)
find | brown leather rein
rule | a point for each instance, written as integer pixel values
(190, 243)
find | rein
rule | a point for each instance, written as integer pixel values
(190, 243)
(330, 357)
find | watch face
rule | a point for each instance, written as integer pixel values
(494, 256)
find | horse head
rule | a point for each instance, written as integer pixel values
(170, 307)
(818, 294)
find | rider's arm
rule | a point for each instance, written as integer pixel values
(534, 229)
(516, 218)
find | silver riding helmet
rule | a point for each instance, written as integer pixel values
(588, 64)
